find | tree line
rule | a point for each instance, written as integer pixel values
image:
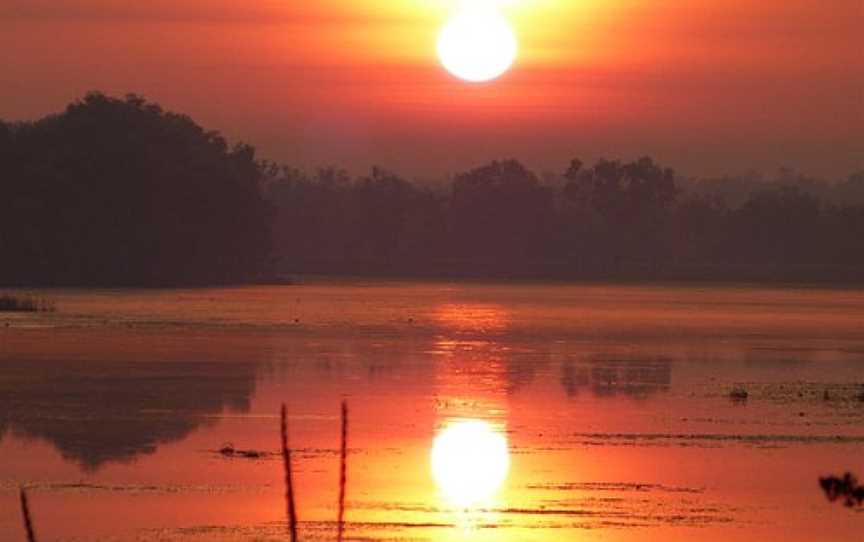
(121, 192)
(613, 219)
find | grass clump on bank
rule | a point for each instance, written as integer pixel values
(11, 303)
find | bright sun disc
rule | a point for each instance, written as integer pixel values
(469, 462)
(477, 45)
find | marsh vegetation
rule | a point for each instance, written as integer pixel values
(25, 303)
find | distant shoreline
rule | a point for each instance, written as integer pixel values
(815, 275)
(822, 276)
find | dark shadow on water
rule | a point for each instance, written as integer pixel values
(95, 413)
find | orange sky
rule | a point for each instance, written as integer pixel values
(707, 86)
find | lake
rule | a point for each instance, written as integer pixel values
(477, 411)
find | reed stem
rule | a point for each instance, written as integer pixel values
(28, 520)
(343, 471)
(289, 484)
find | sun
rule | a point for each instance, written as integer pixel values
(477, 44)
(470, 461)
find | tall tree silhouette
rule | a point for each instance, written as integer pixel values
(499, 213)
(118, 191)
(634, 200)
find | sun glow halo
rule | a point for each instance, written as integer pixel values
(477, 44)
(470, 461)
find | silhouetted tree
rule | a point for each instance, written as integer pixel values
(778, 226)
(311, 221)
(120, 192)
(379, 221)
(499, 213)
(851, 191)
(633, 198)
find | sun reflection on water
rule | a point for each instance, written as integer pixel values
(479, 318)
(470, 462)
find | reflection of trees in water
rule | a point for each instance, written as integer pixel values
(519, 375)
(637, 378)
(522, 372)
(99, 412)
(380, 365)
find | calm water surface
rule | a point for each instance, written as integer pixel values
(479, 412)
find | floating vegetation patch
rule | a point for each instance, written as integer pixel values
(614, 486)
(135, 489)
(825, 394)
(708, 440)
(739, 394)
(26, 303)
(228, 450)
(845, 489)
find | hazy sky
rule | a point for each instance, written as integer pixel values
(707, 86)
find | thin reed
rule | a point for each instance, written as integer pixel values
(343, 471)
(289, 484)
(25, 514)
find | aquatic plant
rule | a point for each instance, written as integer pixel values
(291, 509)
(228, 450)
(343, 472)
(739, 393)
(11, 303)
(289, 484)
(25, 514)
(845, 488)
